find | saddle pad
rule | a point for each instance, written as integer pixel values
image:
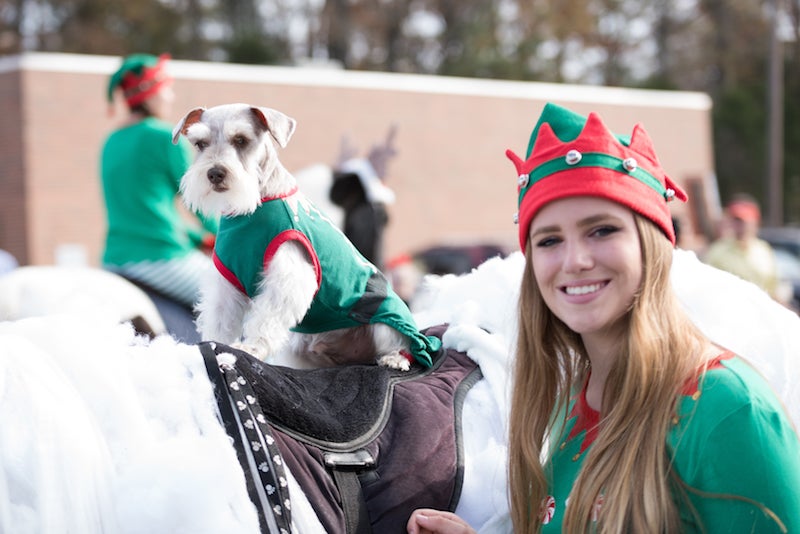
(416, 447)
(331, 405)
(406, 425)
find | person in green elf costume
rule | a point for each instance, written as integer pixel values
(150, 238)
(624, 416)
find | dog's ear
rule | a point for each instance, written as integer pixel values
(189, 119)
(280, 126)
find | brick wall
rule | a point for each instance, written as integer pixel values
(452, 180)
(13, 212)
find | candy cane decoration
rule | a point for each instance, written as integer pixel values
(598, 505)
(548, 509)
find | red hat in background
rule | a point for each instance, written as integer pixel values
(139, 77)
(746, 210)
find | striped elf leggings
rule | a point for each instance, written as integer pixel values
(178, 279)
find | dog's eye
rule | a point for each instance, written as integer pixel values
(240, 141)
(201, 145)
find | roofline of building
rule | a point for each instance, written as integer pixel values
(327, 76)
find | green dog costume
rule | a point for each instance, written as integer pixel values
(350, 290)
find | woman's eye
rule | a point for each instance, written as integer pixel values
(603, 231)
(547, 242)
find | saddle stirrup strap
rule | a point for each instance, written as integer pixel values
(345, 467)
(253, 442)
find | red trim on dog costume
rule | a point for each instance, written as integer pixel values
(294, 235)
(227, 274)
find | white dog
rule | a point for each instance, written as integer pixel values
(287, 277)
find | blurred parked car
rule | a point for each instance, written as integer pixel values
(449, 259)
(407, 270)
(786, 243)
(789, 273)
(784, 237)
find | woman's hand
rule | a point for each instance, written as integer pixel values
(427, 521)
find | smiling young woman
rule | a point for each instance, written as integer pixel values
(624, 417)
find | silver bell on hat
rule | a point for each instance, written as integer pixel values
(573, 157)
(630, 164)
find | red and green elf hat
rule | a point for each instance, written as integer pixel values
(571, 155)
(139, 77)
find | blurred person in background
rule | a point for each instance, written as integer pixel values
(740, 251)
(151, 239)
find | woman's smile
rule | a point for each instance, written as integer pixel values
(584, 288)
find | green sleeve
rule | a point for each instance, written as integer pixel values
(745, 469)
(210, 224)
(199, 235)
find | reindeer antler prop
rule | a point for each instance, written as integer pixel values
(347, 151)
(380, 154)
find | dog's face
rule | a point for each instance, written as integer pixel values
(236, 158)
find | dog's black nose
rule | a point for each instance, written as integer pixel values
(216, 175)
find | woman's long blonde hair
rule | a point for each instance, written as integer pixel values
(628, 463)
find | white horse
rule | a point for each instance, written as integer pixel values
(37, 290)
(103, 431)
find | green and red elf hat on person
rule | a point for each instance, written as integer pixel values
(571, 155)
(139, 77)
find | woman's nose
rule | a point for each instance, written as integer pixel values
(577, 257)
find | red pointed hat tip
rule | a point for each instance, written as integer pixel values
(547, 144)
(642, 144)
(522, 166)
(674, 191)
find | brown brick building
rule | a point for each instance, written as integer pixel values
(452, 180)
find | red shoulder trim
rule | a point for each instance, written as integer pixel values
(300, 237)
(227, 273)
(282, 195)
(691, 386)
